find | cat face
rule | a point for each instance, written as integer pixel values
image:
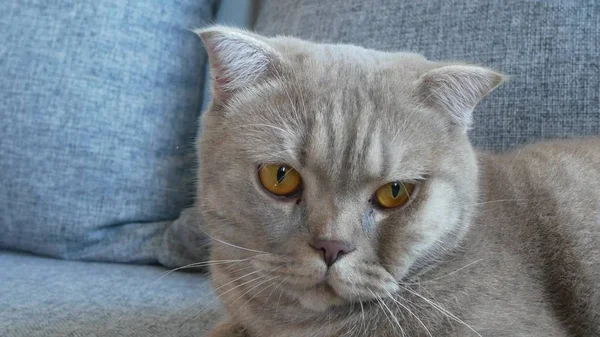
(335, 171)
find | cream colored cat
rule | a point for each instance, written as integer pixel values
(343, 198)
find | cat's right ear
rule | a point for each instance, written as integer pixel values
(238, 59)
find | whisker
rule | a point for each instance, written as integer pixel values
(351, 331)
(237, 279)
(496, 201)
(235, 246)
(241, 277)
(380, 300)
(443, 276)
(275, 289)
(249, 290)
(405, 189)
(263, 289)
(216, 298)
(197, 264)
(441, 309)
(239, 269)
(207, 295)
(411, 313)
(281, 293)
(362, 314)
(279, 300)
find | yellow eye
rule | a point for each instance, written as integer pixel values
(280, 180)
(394, 194)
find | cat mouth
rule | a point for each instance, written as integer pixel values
(323, 287)
(318, 287)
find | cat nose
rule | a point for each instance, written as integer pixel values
(332, 250)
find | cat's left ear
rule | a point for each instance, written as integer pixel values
(238, 59)
(456, 90)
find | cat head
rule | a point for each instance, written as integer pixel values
(335, 170)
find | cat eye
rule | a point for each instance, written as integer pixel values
(281, 180)
(394, 194)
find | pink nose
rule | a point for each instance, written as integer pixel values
(332, 250)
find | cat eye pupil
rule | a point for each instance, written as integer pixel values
(395, 190)
(281, 174)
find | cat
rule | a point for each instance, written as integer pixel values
(343, 198)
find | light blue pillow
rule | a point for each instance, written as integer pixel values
(99, 103)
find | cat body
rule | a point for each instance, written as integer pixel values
(483, 244)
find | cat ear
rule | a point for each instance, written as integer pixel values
(238, 59)
(456, 89)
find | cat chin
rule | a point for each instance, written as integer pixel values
(320, 299)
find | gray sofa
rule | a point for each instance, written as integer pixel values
(98, 109)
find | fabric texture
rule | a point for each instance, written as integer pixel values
(44, 297)
(98, 108)
(184, 242)
(548, 48)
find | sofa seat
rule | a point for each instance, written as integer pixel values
(49, 297)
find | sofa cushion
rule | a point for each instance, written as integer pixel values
(47, 298)
(184, 242)
(98, 109)
(549, 49)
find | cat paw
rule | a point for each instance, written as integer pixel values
(228, 329)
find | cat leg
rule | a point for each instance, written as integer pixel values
(228, 329)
